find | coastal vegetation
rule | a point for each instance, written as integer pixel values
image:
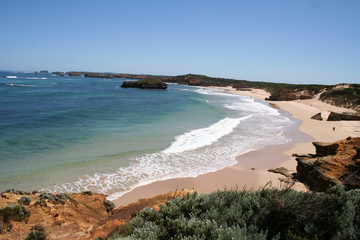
(148, 83)
(345, 95)
(262, 214)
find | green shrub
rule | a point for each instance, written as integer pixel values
(343, 97)
(14, 212)
(261, 214)
(37, 233)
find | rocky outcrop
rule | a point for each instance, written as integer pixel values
(145, 84)
(74, 74)
(58, 216)
(62, 74)
(333, 164)
(343, 117)
(81, 216)
(325, 149)
(99, 75)
(285, 94)
(317, 117)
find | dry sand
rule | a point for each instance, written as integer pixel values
(251, 169)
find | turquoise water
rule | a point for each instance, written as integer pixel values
(76, 133)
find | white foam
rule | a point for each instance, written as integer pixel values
(213, 91)
(35, 78)
(203, 136)
(252, 107)
(19, 85)
(11, 76)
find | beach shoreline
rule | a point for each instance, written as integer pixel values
(251, 169)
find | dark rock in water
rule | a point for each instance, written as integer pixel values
(14, 212)
(345, 117)
(109, 205)
(74, 74)
(24, 200)
(44, 71)
(317, 117)
(333, 164)
(62, 74)
(324, 149)
(145, 84)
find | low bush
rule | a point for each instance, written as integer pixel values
(261, 214)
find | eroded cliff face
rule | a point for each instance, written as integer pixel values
(334, 163)
(62, 216)
(82, 216)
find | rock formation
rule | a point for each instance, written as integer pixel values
(62, 74)
(317, 117)
(81, 216)
(333, 164)
(146, 83)
(285, 94)
(74, 74)
(61, 216)
(345, 117)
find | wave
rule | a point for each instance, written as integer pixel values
(204, 136)
(35, 78)
(11, 76)
(19, 85)
(214, 91)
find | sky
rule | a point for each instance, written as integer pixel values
(292, 41)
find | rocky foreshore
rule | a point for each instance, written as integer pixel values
(333, 164)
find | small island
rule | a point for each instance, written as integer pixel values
(148, 83)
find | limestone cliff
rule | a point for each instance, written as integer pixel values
(333, 164)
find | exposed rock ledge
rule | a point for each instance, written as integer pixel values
(81, 216)
(333, 164)
(345, 117)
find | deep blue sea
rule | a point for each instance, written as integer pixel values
(71, 134)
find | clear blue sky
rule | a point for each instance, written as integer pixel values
(295, 41)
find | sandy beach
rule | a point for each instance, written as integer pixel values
(251, 171)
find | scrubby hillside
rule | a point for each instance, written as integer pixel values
(343, 95)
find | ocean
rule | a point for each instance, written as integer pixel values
(73, 134)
